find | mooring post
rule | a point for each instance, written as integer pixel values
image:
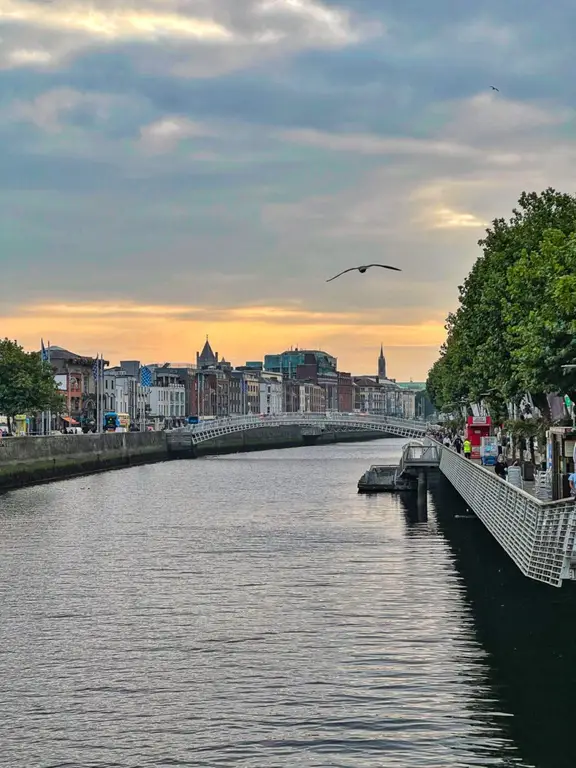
(422, 490)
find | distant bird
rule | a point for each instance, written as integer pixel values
(494, 88)
(362, 270)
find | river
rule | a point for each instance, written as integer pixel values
(253, 610)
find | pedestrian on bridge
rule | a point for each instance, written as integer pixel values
(467, 449)
(458, 444)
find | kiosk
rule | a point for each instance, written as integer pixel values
(560, 451)
(477, 427)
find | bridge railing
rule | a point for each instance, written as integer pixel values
(306, 418)
(538, 536)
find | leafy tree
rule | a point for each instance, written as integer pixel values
(512, 330)
(27, 383)
(541, 316)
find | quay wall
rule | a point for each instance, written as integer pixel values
(265, 438)
(29, 460)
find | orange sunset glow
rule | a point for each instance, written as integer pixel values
(174, 333)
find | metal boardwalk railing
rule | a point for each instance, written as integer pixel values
(538, 535)
(209, 430)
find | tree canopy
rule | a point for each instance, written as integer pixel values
(515, 326)
(27, 383)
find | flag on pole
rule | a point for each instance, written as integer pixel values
(97, 367)
(145, 376)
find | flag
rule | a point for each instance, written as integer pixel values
(145, 377)
(97, 367)
(44, 353)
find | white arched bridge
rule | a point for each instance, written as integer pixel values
(311, 423)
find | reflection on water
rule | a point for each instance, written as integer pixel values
(254, 610)
(529, 633)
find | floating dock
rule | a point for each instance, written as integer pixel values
(409, 475)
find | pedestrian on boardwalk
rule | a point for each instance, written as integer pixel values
(501, 468)
(467, 449)
(458, 444)
(572, 484)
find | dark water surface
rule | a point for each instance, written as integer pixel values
(254, 610)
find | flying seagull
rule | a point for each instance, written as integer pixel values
(494, 88)
(363, 269)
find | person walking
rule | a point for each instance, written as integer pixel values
(467, 449)
(501, 468)
(572, 484)
(458, 444)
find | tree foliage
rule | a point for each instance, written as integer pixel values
(27, 383)
(514, 327)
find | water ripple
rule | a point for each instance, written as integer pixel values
(245, 611)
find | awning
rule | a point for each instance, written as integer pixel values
(70, 420)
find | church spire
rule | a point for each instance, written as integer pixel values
(381, 363)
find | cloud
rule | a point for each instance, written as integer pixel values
(165, 134)
(28, 57)
(177, 167)
(114, 23)
(207, 38)
(46, 110)
(375, 145)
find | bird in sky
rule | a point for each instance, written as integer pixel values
(363, 269)
(494, 88)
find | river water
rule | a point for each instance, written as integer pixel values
(254, 610)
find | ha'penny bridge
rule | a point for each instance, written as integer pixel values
(539, 536)
(311, 423)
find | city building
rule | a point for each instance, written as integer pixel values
(74, 376)
(291, 396)
(287, 362)
(207, 358)
(308, 365)
(382, 364)
(124, 393)
(345, 392)
(168, 405)
(380, 394)
(312, 398)
(271, 393)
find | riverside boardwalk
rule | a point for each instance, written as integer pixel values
(539, 536)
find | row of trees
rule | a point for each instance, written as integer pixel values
(27, 383)
(515, 326)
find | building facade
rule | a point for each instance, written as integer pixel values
(312, 398)
(271, 393)
(74, 375)
(168, 405)
(345, 392)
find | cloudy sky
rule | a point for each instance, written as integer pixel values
(176, 168)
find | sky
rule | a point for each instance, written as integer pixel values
(176, 168)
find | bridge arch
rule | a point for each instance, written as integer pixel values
(209, 430)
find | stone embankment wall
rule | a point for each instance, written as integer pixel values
(266, 438)
(28, 460)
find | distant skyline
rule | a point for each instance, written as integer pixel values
(171, 170)
(115, 360)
